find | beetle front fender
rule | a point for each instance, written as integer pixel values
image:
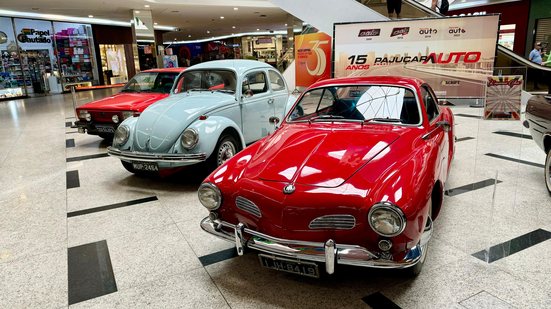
(131, 124)
(209, 131)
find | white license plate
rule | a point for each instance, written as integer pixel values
(307, 269)
(105, 129)
(145, 166)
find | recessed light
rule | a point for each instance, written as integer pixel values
(221, 17)
(208, 31)
(262, 15)
(90, 16)
(189, 35)
(155, 23)
(146, 6)
(35, 9)
(285, 25)
(174, 39)
(137, 12)
(233, 27)
(235, 9)
(257, 29)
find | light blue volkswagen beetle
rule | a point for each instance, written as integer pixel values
(220, 107)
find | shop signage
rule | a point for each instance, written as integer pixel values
(454, 55)
(29, 35)
(313, 57)
(503, 97)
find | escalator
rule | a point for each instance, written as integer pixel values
(507, 61)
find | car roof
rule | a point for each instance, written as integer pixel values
(238, 65)
(396, 80)
(175, 70)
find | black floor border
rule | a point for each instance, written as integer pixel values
(464, 139)
(69, 143)
(379, 301)
(513, 134)
(218, 256)
(90, 273)
(513, 246)
(493, 155)
(468, 116)
(112, 206)
(68, 124)
(73, 180)
(471, 187)
(88, 157)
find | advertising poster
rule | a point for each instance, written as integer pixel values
(170, 61)
(503, 97)
(312, 58)
(454, 55)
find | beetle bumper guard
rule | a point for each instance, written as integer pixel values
(157, 157)
(329, 252)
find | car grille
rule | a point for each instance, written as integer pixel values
(247, 206)
(339, 222)
(98, 116)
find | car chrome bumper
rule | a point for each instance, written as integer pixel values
(329, 252)
(157, 157)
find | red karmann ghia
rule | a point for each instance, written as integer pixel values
(354, 175)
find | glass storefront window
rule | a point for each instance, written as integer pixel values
(75, 50)
(113, 63)
(12, 81)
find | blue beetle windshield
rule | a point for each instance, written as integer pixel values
(208, 80)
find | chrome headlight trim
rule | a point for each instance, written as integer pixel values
(211, 188)
(121, 135)
(388, 206)
(189, 139)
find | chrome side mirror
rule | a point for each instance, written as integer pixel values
(444, 125)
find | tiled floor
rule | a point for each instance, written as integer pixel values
(60, 191)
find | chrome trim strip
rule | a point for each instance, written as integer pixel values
(312, 251)
(156, 157)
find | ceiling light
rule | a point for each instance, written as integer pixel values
(137, 12)
(233, 27)
(235, 9)
(257, 29)
(155, 24)
(221, 17)
(146, 6)
(208, 31)
(285, 25)
(189, 35)
(90, 16)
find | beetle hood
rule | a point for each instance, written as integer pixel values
(319, 154)
(161, 124)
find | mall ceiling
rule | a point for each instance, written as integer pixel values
(193, 17)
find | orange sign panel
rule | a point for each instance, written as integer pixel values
(312, 58)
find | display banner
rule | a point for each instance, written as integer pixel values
(503, 97)
(455, 55)
(312, 58)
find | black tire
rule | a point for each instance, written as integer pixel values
(226, 148)
(106, 136)
(547, 172)
(416, 269)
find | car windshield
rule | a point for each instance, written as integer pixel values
(151, 82)
(377, 103)
(208, 80)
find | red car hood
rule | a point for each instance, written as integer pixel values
(125, 101)
(318, 154)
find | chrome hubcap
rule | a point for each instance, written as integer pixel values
(225, 152)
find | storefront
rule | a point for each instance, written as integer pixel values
(40, 57)
(263, 48)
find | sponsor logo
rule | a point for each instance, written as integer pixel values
(28, 35)
(357, 67)
(439, 58)
(428, 31)
(399, 31)
(456, 31)
(450, 83)
(369, 32)
(504, 82)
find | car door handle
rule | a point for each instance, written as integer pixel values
(271, 101)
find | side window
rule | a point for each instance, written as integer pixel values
(179, 85)
(313, 103)
(430, 103)
(254, 83)
(276, 81)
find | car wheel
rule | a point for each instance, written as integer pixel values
(548, 172)
(416, 269)
(226, 148)
(106, 136)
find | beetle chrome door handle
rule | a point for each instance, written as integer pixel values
(271, 101)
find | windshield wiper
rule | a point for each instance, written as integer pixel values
(198, 89)
(322, 117)
(387, 119)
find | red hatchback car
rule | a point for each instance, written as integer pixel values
(354, 175)
(102, 117)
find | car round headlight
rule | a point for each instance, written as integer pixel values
(386, 219)
(115, 118)
(210, 196)
(121, 135)
(88, 117)
(189, 138)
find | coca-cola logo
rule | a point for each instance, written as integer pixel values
(399, 31)
(369, 32)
